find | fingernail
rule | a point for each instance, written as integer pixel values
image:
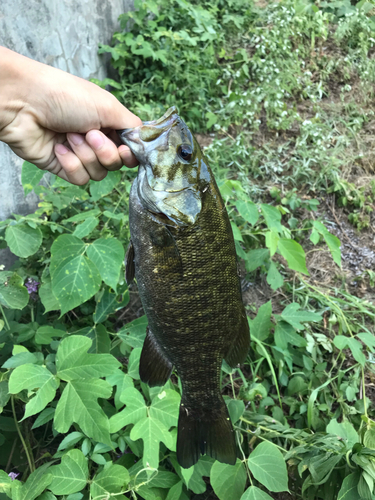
(76, 139)
(61, 149)
(95, 139)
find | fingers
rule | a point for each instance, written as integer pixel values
(72, 168)
(104, 149)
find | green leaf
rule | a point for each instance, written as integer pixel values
(108, 256)
(86, 227)
(33, 377)
(48, 299)
(274, 278)
(44, 417)
(71, 475)
(134, 333)
(349, 489)
(5, 483)
(248, 211)
(369, 438)
(177, 492)
(12, 292)
(344, 430)
(314, 236)
(254, 493)
(294, 254)
(133, 366)
(165, 407)
(23, 240)
(121, 381)
(296, 317)
(45, 334)
(101, 342)
(236, 407)
(111, 480)
(211, 119)
(36, 483)
(30, 176)
(368, 339)
(342, 342)
(101, 188)
(272, 216)
(285, 333)
(236, 232)
(73, 361)
(4, 394)
(83, 215)
(267, 465)
(260, 326)
(228, 481)
(21, 358)
(70, 440)
(272, 240)
(152, 432)
(78, 403)
(134, 411)
(108, 303)
(256, 258)
(332, 241)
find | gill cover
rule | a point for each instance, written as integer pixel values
(170, 181)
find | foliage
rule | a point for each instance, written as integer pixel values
(76, 421)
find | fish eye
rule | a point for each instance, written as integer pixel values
(185, 152)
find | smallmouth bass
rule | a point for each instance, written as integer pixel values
(183, 256)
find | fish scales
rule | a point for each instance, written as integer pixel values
(185, 264)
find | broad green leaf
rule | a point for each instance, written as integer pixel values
(248, 210)
(314, 236)
(112, 215)
(101, 342)
(260, 326)
(267, 465)
(274, 278)
(294, 254)
(254, 493)
(73, 361)
(228, 481)
(23, 240)
(45, 334)
(4, 394)
(70, 440)
(78, 403)
(285, 333)
(134, 333)
(22, 358)
(165, 407)
(48, 299)
(83, 215)
(236, 232)
(152, 432)
(256, 258)
(342, 342)
(47, 495)
(133, 366)
(108, 256)
(368, 339)
(344, 430)
(112, 479)
(121, 380)
(332, 241)
(99, 189)
(211, 119)
(272, 216)
(33, 377)
(108, 303)
(176, 492)
(236, 407)
(30, 176)
(45, 416)
(272, 240)
(5, 483)
(134, 411)
(349, 490)
(12, 292)
(295, 316)
(369, 438)
(86, 227)
(71, 475)
(35, 484)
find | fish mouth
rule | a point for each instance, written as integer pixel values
(150, 131)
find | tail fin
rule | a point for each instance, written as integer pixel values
(211, 433)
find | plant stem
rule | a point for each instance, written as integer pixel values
(5, 318)
(30, 459)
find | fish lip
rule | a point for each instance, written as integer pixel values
(165, 122)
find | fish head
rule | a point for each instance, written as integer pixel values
(172, 171)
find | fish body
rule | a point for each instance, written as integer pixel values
(182, 254)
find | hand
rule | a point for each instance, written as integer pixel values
(60, 122)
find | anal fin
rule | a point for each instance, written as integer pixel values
(239, 349)
(154, 367)
(129, 264)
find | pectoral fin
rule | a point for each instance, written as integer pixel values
(129, 264)
(240, 347)
(154, 367)
(167, 255)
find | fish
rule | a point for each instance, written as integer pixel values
(182, 254)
